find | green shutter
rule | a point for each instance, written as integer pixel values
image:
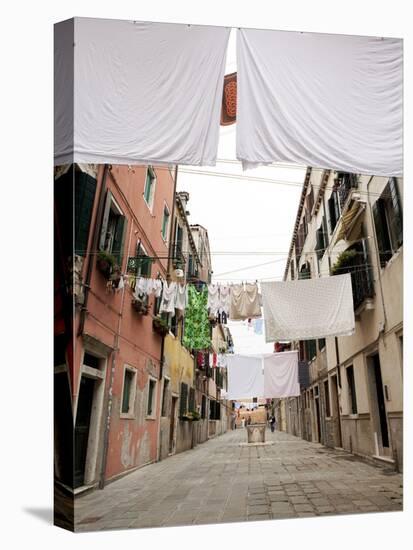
(119, 239)
(383, 240)
(85, 190)
(105, 220)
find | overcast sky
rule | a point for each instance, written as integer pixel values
(249, 223)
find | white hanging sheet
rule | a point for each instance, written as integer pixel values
(245, 376)
(308, 308)
(281, 374)
(144, 93)
(322, 100)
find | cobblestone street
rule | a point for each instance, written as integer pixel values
(223, 480)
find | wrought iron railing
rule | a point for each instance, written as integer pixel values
(345, 183)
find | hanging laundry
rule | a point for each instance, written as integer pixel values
(197, 327)
(141, 286)
(245, 302)
(168, 298)
(258, 326)
(308, 308)
(245, 376)
(281, 375)
(224, 299)
(181, 299)
(213, 300)
(271, 375)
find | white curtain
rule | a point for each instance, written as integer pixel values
(309, 308)
(321, 100)
(143, 93)
(245, 376)
(281, 374)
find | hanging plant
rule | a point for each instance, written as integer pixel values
(160, 326)
(105, 263)
(344, 260)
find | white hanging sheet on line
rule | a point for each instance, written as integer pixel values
(131, 92)
(245, 302)
(272, 375)
(308, 308)
(323, 100)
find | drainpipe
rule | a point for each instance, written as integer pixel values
(86, 285)
(376, 247)
(112, 377)
(168, 267)
(329, 269)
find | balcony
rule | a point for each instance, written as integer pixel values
(355, 260)
(178, 258)
(345, 183)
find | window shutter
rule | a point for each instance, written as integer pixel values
(119, 239)
(105, 220)
(383, 240)
(397, 220)
(85, 190)
(332, 213)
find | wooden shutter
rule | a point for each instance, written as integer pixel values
(383, 240)
(105, 220)
(183, 402)
(85, 190)
(119, 239)
(332, 212)
(397, 218)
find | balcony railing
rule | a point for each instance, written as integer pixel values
(178, 257)
(345, 183)
(355, 260)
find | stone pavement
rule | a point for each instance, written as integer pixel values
(223, 481)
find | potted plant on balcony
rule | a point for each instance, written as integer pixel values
(141, 306)
(344, 261)
(105, 263)
(160, 326)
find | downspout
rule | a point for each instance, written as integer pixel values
(168, 276)
(376, 247)
(329, 269)
(112, 376)
(86, 285)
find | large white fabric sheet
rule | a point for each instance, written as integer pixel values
(281, 374)
(322, 100)
(245, 376)
(308, 308)
(144, 93)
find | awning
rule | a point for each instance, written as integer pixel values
(351, 222)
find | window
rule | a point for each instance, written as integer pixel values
(165, 222)
(351, 390)
(327, 398)
(149, 191)
(84, 197)
(321, 240)
(388, 221)
(128, 392)
(183, 402)
(151, 397)
(144, 263)
(191, 401)
(333, 210)
(113, 230)
(91, 360)
(310, 349)
(203, 407)
(214, 410)
(292, 269)
(165, 399)
(321, 343)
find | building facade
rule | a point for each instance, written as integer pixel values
(348, 223)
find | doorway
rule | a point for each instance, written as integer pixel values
(63, 429)
(338, 442)
(318, 419)
(172, 425)
(378, 408)
(83, 415)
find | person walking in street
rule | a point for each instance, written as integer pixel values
(272, 423)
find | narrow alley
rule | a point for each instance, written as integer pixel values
(224, 480)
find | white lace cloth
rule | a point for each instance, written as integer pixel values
(309, 308)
